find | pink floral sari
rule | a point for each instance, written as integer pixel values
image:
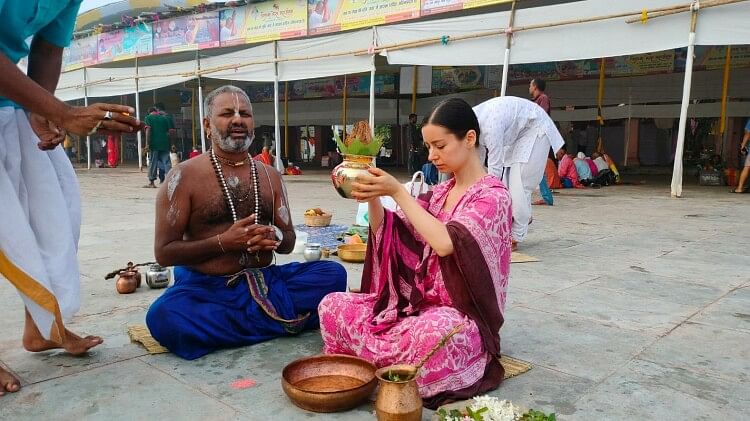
(411, 297)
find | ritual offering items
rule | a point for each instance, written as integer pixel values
(398, 397)
(312, 252)
(127, 282)
(359, 149)
(328, 383)
(317, 217)
(352, 253)
(157, 277)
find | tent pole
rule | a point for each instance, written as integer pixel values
(414, 80)
(200, 104)
(123, 101)
(509, 37)
(286, 118)
(344, 110)
(86, 104)
(676, 188)
(138, 115)
(372, 98)
(192, 116)
(600, 105)
(724, 93)
(372, 85)
(277, 128)
(627, 132)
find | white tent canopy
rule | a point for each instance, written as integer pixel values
(328, 49)
(569, 31)
(334, 54)
(262, 72)
(722, 25)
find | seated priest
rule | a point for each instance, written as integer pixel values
(220, 217)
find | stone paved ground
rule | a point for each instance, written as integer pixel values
(639, 310)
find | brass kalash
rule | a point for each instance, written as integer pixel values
(359, 150)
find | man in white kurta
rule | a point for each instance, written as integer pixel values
(516, 135)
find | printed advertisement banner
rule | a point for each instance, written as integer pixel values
(713, 58)
(331, 87)
(339, 15)
(187, 33)
(272, 20)
(639, 64)
(233, 23)
(456, 79)
(81, 52)
(125, 43)
(431, 7)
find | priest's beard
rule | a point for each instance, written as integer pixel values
(230, 145)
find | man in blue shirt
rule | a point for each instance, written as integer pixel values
(746, 170)
(41, 212)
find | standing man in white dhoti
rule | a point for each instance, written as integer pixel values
(41, 212)
(516, 135)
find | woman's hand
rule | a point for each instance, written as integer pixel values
(372, 186)
(87, 120)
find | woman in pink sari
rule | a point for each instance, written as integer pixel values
(440, 261)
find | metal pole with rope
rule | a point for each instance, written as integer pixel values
(676, 187)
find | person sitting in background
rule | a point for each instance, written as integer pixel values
(174, 159)
(550, 172)
(604, 176)
(550, 182)
(594, 169)
(567, 170)
(600, 163)
(264, 156)
(612, 167)
(582, 168)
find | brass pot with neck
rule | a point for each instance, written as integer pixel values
(398, 397)
(346, 173)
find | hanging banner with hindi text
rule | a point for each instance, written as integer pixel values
(326, 16)
(431, 7)
(274, 20)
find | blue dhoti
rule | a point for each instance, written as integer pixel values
(201, 314)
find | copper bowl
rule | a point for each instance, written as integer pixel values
(352, 253)
(328, 383)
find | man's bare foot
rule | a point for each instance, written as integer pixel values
(8, 383)
(33, 340)
(513, 245)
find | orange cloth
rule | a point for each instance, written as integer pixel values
(264, 157)
(553, 178)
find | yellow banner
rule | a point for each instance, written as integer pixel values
(431, 7)
(339, 15)
(272, 20)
